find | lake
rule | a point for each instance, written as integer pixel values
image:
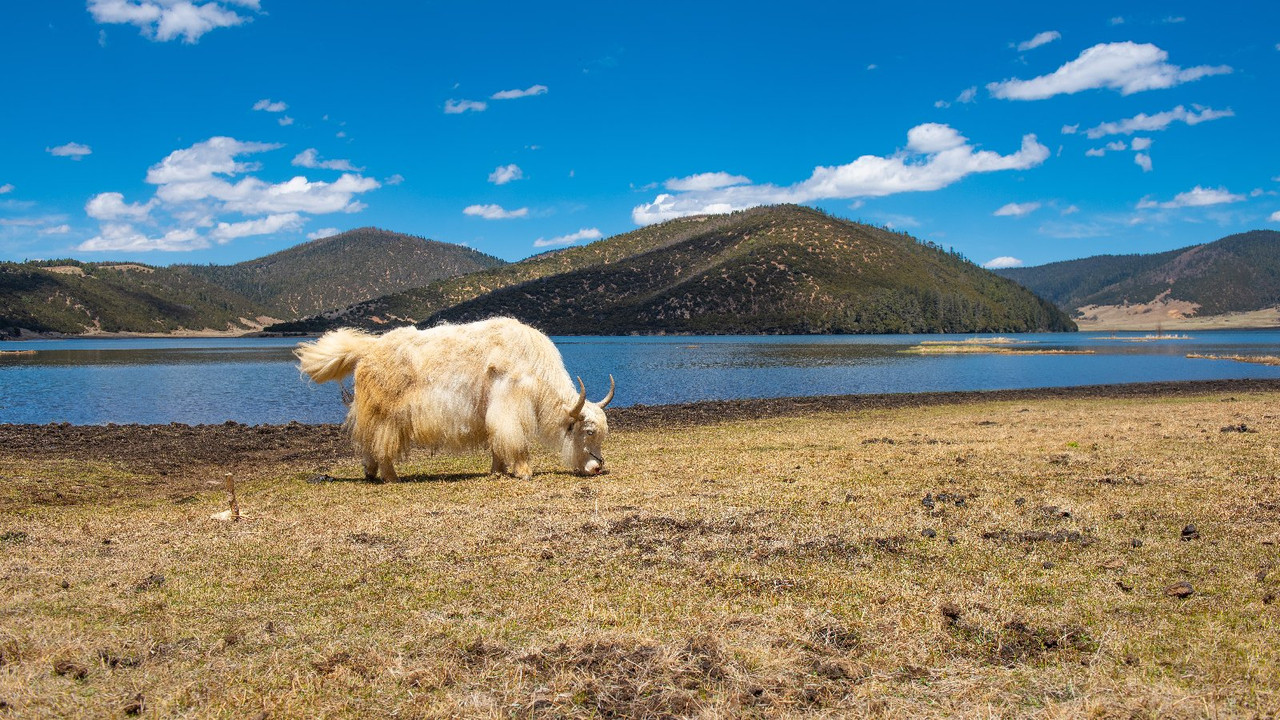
(256, 381)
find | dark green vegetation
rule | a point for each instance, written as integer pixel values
(69, 296)
(1237, 273)
(343, 269)
(782, 269)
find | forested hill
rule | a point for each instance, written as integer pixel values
(1238, 273)
(781, 269)
(342, 269)
(75, 297)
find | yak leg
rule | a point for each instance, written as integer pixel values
(388, 471)
(498, 467)
(509, 423)
(370, 468)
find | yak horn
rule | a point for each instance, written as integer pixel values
(605, 402)
(576, 412)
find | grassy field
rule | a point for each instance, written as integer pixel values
(993, 559)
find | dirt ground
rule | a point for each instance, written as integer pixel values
(184, 452)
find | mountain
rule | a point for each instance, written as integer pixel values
(1236, 274)
(342, 269)
(73, 297)
(780, 269)
(68, 296)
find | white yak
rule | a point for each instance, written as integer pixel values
(497, 384)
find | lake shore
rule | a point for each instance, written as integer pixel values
(1099, 551)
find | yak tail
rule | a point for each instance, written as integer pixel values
(334, 355)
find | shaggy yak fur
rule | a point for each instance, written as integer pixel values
(497, 384)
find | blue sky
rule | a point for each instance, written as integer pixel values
(174, 131)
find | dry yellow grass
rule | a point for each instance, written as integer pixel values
(996, 559)
(1256, 359)
(961, 348)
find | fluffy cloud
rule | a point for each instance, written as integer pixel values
(310, 158)
(124, 237)
(936, 156)
(1126, 67)
(62, 229)
(73, 150)
(323, 233)
(1195, 197)
(705, 181)
(261, 226)
(6, 188)
(1043, 38)
(111, 206)
(494, 212)
(1140, 143)
(1017, 209)
(571, 238)
(1004, 261)
(197, 184)
(164, 20)
(395, 179)
(1147, 123)
(1144, 161)
(505, 174)
(513, 94)
(267, 105)
(457, 107)
(1275, 216)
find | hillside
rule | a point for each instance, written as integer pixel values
(67, 296)
(1236, 274)
(342, 269)
(782, 269)
(74, 297)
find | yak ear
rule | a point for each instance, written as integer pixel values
(607, 398)
(575, 413)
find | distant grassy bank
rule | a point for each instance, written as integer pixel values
(959, 554)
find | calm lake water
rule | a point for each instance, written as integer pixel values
(255, 380)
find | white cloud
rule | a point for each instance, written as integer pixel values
(1195, 197)
(1070, 129)
(571, 238)
(196, 184)
(1070, 210)
(513, 94)
(268, 105)
(310, 158)
(494, 212)
(1043, 38)
(457, 107)
(705, 181)
(1144, 161)
(73, 150)
(1275, 216)
(1147, 123)
(62, 229)
(6, 188)
(394, 180)
(225, 231)
(1140, 143)
(1095, 152)
(1117, 20)
(872, 66)
(200, 162)
(323, 233)
(1126, 67)
(285, 121)
(1004, 261)
(968, 95)
(504, 174)
(1017, 209)
(1117, 145)
(111, 206)
(117, 237)
(164, 20)
(936, 156)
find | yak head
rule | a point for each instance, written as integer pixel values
(585, 434)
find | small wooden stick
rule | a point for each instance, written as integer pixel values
(235, 506)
